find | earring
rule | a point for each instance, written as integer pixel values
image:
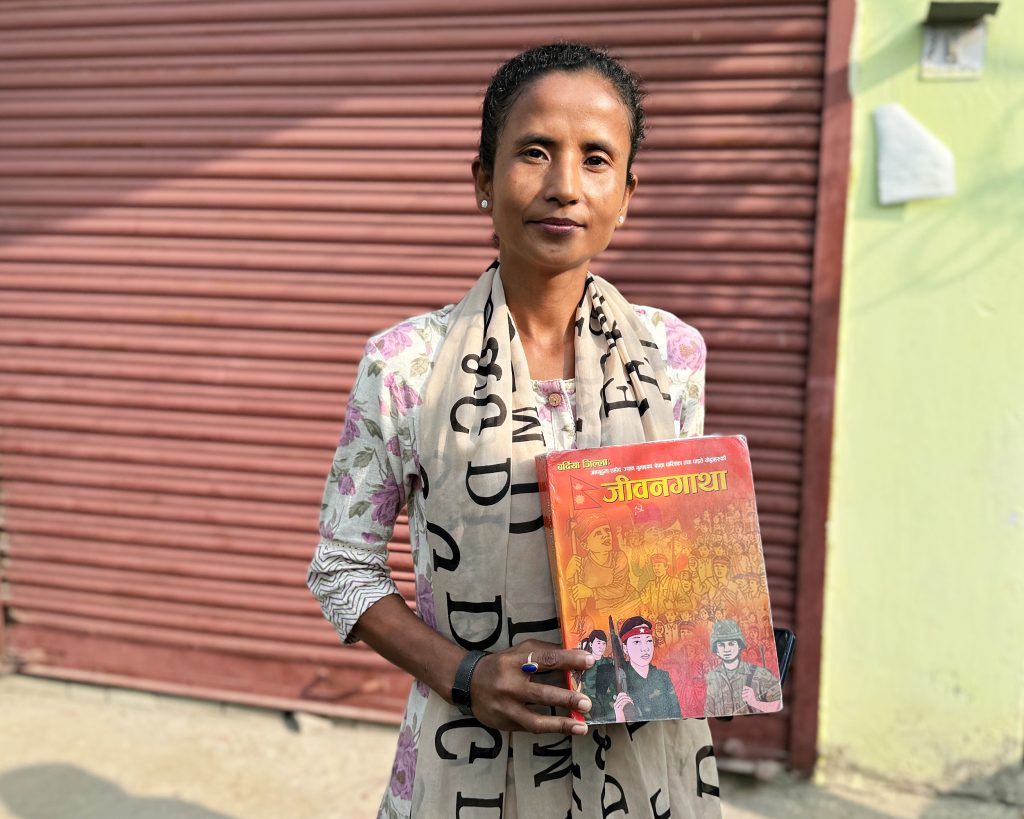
(622, 219)
(484, 203)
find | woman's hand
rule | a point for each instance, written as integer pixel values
(501, 690)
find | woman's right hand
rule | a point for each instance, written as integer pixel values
(622, 702)
(501, 691)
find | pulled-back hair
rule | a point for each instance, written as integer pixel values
(587, 643)
(513, 77)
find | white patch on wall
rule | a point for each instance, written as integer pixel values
(954, 52)
(912, 162)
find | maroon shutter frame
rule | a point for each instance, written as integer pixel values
(207, 207)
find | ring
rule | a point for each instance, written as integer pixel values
(530, 667)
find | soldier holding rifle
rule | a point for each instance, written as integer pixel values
(637, 690)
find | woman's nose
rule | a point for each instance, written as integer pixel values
(563, 181)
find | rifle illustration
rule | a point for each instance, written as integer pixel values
(619, 661)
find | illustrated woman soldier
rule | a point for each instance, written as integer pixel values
(736, 686)
(595, 644)
(645, 691)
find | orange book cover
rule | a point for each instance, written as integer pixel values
(656, 558)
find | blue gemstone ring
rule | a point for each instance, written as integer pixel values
(530, 667)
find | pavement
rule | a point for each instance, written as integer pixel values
(73, 751)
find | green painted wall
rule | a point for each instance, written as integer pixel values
(923, 662)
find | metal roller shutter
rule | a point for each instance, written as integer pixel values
(207, 207)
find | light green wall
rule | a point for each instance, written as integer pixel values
(923, 653)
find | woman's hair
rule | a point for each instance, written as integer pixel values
(513, 77)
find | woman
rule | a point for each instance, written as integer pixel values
(444, 417)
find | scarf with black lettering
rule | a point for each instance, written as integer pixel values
(491, 581)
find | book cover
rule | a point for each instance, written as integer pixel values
(656, 558)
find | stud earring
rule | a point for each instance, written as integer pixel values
(484, 203)
(622, 219)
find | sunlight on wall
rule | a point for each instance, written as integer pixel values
(922, 664)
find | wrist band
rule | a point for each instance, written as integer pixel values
(463, 678)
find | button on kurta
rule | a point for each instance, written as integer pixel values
(554, 400)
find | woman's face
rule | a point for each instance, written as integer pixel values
(559, 182)
(597, 647)
(640, 650)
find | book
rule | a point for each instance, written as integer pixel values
(658, 570)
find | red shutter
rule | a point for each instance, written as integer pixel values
(207, 207)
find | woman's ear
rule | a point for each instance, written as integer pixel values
(631, 183)
(482, 186)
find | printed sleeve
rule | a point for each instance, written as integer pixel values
(769, 688)
(686, 356)
(367, 487)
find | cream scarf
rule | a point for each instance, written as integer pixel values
(490, 577)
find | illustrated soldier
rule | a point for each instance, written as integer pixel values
(721, 589)
(649, 689)
(663, 596)
(736, 686)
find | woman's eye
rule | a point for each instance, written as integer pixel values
(534, 153)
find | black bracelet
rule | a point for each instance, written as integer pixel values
(463, 679)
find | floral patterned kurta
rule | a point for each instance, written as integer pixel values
(376, 472)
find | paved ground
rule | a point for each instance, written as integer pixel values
(81, 752)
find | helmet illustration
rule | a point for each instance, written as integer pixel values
(726, 630)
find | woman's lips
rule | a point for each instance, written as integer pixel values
(558, 227)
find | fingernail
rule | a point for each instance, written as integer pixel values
(589, 661)
(579, 728)
(583, 704)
